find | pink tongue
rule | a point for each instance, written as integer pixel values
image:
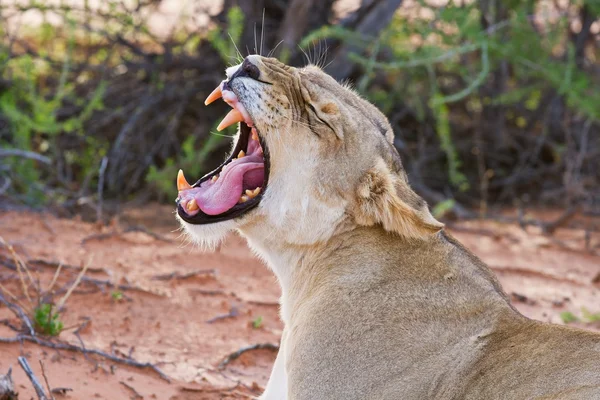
(215, 198)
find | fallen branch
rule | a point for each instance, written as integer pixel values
(233, 312)
(7, 387)
(238, 353)
(61, 390)
(108, 235)
(177, 275)
(74, 348)
(138, 228)
(39, 390)
(18, 311)
(56, 264)
(99, 282)
(136, 394)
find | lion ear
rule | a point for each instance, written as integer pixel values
(384, 197)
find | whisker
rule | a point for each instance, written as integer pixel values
(255, 44)
(274, 48)
(329, 63)
(323, 57)
(221, 134)
(307, 57)
(262, 33)
(241, 58)
(300, 122)
(319, 54)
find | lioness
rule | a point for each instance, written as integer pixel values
(378, 301)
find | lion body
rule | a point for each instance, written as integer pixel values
(376, 317)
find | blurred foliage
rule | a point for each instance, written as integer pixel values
(190, 159)
(459, 66)
(492, 102)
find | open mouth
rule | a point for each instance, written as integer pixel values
(237, 185)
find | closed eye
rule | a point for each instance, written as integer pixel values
(314, 112)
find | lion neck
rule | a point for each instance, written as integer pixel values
(286, 251)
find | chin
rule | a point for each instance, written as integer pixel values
(208, 236)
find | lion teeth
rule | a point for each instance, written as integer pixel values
(254, 134)
(231, 118)
(214, 178)
(182, 183)
(253, 193)
(214, 95)
(241, 154)
(243, 199)
(192, 205)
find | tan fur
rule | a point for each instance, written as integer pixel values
(378, 301)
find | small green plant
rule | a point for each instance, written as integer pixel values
(39, 312)
(116, 295)
(257, 323)
(47, 320)
(568, 317)
(586, 317)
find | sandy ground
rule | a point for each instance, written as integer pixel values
(188, 324)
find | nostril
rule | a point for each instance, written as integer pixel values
(251, 70)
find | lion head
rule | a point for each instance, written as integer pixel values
(310, 158)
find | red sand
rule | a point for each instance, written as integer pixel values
(164, 321)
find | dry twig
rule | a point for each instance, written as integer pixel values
(39, 390)
(236, 354)
(82, 350)
(46, 379)
(136, 394)
(180, 276)
(233, 312)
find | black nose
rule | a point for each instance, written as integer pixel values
(248, 70)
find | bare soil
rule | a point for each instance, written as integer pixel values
(186, 311)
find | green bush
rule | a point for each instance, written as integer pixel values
(451, 72)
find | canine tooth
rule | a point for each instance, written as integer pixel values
(214, 178)
(230, 119)
(254, 134)
(256, 191)
(214, 95)
(243, 199)
(182, 183)
(241, 154)
(192, 205)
